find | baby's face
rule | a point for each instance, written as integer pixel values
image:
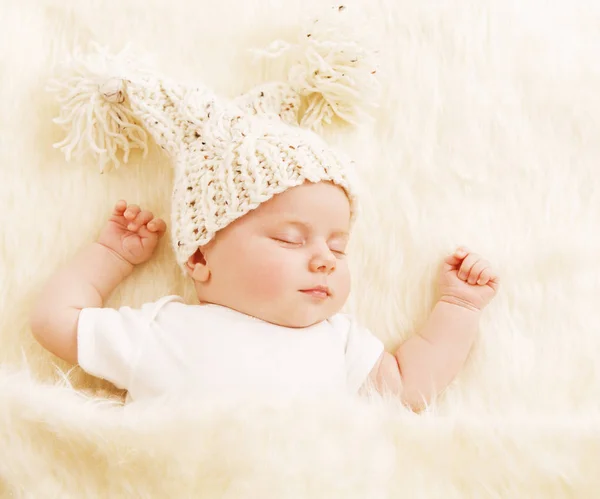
(284, 262)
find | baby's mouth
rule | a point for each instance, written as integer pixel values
(317, 292)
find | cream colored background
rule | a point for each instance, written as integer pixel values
(488, 135)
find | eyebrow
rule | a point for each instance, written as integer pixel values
(305, 225)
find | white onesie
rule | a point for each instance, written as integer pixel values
(168, 348)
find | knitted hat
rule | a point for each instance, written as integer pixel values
(229, 156)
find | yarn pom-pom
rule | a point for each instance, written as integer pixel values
(333, 70)
(94, 110)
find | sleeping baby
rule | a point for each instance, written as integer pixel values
(262, 212)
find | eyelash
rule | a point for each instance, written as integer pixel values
(286, 242)
(335, 252)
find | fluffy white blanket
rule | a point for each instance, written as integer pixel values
(487, 135)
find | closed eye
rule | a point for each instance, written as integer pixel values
(287, 241)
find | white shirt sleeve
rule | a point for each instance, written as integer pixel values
(363, 350)
(109, 340)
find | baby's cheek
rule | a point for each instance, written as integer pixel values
(342, 282)
(269, 278)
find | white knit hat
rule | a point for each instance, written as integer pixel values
(229, 156)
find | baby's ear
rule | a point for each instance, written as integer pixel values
(274, 98)
(197, 268)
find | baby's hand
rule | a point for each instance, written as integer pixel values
(468, 280)
(132, 233)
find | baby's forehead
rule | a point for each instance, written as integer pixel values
(280, 217)
(312, 205)
(303, 220)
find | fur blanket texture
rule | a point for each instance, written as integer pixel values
(487, 134)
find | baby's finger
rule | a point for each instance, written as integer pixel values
(467, 265)
(120, 208)
(157, 225)
(131, 212)
(141, 219)
(484, 277)
(454, 260)
(476, 271)
(494, 282)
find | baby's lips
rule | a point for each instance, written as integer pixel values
(317, 289)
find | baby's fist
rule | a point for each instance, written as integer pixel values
(468, 280)
(132, 233)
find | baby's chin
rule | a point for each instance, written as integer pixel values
(296, 316)
(301, 317)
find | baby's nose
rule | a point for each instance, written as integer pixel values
(323, 263)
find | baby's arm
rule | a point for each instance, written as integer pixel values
(129, 238)
(427, 362)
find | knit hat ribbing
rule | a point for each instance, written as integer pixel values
(229, 156)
